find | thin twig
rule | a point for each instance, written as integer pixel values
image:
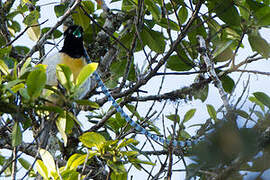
(14, 164)
(106, 31)
(17, 37)
(212, 72)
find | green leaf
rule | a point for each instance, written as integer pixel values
(86, 102)
(167, 23)
(22, 50)
(244, 11)
(153, 8)
(183, 135)
(227, 83)
(16, 134)
(70, 175)
(212, 112)
(259, 44)
(35, 82)
(197, 29)
(118, 68)
(223, 52)
(85, 73)
(24, 94)
(242, 114)
(133, 110)
(263, 98)
(189, 115)
(48, 160)
(153, 39)
(25, 164)
(254, 5)
(55, 109)
(257, 102)
(80, 18)
(91, 139)
(65, 76)
(42, 169)
(2, 40)
(61, 126)
(143, 162)
(70, 116)
(15, 26)
(177, 64)
(129, 153)
(263, 16)
(56, 33)
(60, 9)
(183, 14)
(4, 68)
(225, 10)
(173, 117)
(32, 18)
(5, 51)
(129, 5)
(201, 93)
(116, 123)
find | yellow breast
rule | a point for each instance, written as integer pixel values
(75, 64)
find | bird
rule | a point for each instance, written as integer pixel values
(72, 54)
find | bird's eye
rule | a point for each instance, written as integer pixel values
(77, 33)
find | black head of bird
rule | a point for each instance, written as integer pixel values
(73, 42)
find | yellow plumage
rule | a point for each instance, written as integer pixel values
(72, 55)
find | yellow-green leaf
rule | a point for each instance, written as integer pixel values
(64, 75)
(48, 160)
(126, 142)
(86, 102)
(61, 126)
(189, 115)
(4, 68)
(32, 18)
(77, 159)
(17, 87)
(91, 139)
(35, 82)
(80, 18)
(212, 112)
(153, 8)
(25, 65)
(42, 169)
(85, 73)
(117, 176)
(34, 33)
